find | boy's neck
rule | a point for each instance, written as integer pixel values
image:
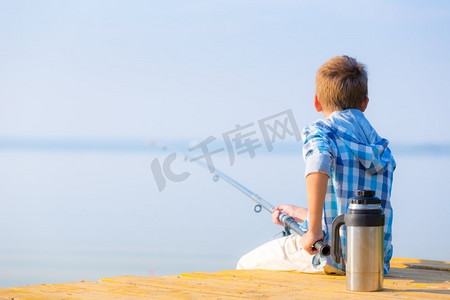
(327, 113)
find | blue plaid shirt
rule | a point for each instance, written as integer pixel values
(346, 148)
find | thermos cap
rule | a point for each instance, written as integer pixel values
(365, 193)
(365, 197)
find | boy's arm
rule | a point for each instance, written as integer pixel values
(316, 189)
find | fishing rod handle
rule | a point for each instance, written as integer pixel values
(290, 223)
(324, 249)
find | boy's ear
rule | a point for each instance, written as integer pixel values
(317, 104)
(364, 104)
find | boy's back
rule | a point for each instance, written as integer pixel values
(345, 147)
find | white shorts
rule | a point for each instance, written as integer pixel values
(284, 254)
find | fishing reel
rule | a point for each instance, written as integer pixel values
(286, 231)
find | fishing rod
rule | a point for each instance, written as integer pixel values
(288, 222)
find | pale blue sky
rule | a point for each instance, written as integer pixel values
(115, 69)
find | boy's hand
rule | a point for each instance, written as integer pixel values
(298, 213)
(308, 240)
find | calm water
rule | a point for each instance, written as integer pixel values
(84, 215)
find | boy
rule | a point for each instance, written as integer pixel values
(343, 154)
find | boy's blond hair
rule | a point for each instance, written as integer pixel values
(341, 83)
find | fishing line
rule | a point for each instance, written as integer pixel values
(288, 222)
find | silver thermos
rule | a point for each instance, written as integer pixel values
(365, 236)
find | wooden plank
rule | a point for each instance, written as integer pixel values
(409, 279)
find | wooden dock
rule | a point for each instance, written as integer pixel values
(409, 279)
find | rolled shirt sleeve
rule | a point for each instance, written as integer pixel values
(316, 151)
